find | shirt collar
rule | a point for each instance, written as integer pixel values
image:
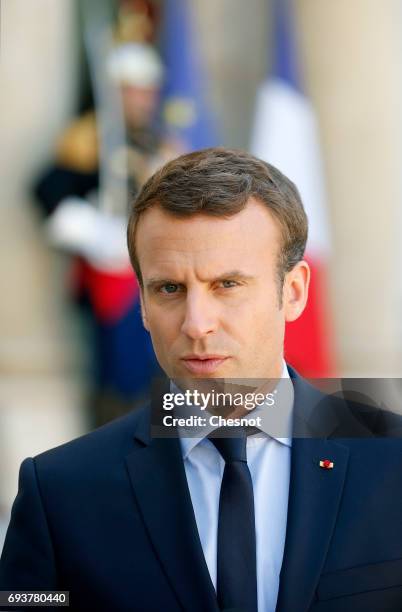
(276, 420)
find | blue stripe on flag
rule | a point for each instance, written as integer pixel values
(285, 55)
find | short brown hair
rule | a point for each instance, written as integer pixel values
(219, 182)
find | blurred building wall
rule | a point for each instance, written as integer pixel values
(39, 405)
(353, 56)
(234, 40)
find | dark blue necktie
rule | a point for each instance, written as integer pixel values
(236, 567)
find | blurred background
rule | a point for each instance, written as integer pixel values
(96, 95)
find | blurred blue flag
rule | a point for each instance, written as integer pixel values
(185, 105)
(285, 54)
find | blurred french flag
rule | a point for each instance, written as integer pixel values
(285, 135)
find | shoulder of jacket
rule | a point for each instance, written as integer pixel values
(103, 446)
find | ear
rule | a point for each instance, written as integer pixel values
(143, 311)
(295, 290)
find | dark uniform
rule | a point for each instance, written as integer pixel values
(122, 354)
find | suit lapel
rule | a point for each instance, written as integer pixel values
(160, 487)
(314, 500)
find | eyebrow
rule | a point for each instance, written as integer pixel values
(232, 274)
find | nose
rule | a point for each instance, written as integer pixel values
(200, 317)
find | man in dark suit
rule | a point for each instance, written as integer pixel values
(304, 516)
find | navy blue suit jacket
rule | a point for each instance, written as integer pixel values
(109, 518)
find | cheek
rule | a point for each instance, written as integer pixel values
(164, 325)
(264, 321)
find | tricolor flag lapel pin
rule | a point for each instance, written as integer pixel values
(326, 464)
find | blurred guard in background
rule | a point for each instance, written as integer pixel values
(81, 222)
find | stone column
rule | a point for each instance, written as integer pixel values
(352, 55)
(40, 403)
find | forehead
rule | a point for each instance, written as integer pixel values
(162, 239)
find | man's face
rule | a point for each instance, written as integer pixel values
(210, 293)
(139, 105)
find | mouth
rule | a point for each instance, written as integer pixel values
(205, 364)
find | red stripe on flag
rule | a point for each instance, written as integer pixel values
(309, 343)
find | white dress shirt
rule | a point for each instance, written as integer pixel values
(268, 458)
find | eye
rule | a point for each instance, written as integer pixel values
(227, 284)
(169, 288)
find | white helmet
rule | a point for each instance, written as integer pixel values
(135, 64)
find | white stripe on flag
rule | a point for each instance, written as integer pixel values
(285, 134)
